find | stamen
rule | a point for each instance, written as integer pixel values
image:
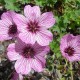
(28, 52)
(33, 27)
(12, 29)
(70, 51)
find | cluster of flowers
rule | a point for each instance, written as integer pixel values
(31, 35)
(32, 39)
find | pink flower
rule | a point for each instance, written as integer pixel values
(34, 26)
(8, 28)
(70, 47)
(27, 56)
(16, 76)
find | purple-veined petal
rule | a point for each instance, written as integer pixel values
(47, 20)
(20, 21)
(41, 59)
(44, 37)
(8, 16)
(32, 13)
(4, 27)
(64, 42)
(23, 66)
(75, 57)
(12, 54)
(37, 11)
(41, 50)
(16, 76)
(74, 42)
(36, 65)
(27, 37)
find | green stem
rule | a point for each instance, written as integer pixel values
(71, 68)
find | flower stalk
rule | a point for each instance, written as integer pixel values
(71, 68)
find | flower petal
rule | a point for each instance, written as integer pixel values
(11, 47)
(4, 37)
(8, 16)
(20, 21)
(21, 77)
(19, 45)
(44, 37)
(40, 54)
(12, 54)
(77, 49)
(32, 12)
(64, 42)
(41, 50)
(37, 11)
(74, 42)
(16, 76)
(47, 20)
(36, 65)
(41, 59)
(4, 24)
(27, 37)
(23, 66)
(75, 57)
(45, 51)
(4, 30)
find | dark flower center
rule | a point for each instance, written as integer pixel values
(12, 29)
(33, 27)
(70, 51)
(28, 52)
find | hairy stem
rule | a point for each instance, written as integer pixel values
(71, 68)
